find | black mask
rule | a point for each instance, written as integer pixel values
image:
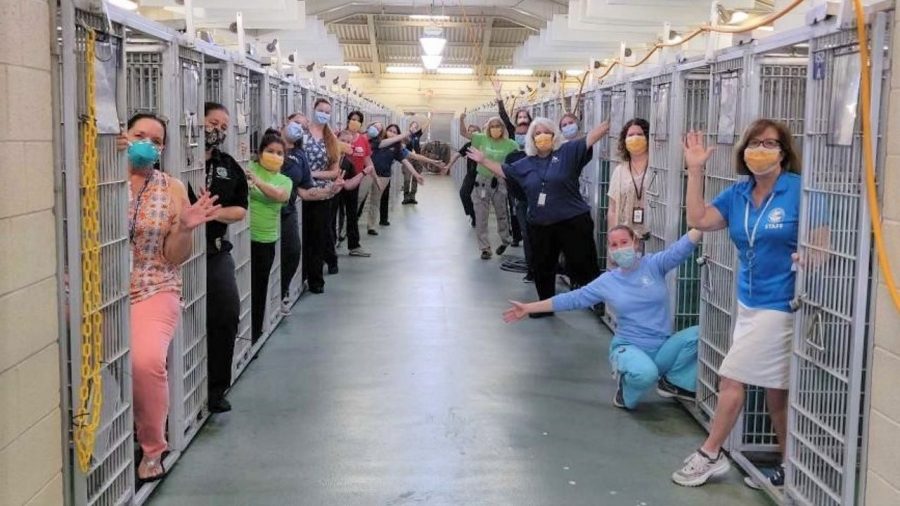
(214, 138)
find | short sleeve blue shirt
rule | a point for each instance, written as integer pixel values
(384, 158)
(557, 177)
(765, 277)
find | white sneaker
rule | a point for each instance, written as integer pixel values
(699, 468)
(359, 252)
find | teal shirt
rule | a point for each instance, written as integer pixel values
(265, 213)
(495, 150)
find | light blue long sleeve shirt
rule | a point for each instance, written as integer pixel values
(639, 297)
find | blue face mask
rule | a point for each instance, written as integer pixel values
(142, 154)
(293, 132)
(624, 257)
(322, 118)
(569, 130)
(520, 139)
(372, 131)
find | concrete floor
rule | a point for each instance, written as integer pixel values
(401, 385)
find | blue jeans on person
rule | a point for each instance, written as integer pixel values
(641, 369)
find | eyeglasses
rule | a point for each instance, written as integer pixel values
(766, 143)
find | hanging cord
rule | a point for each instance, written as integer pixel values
(90, 403)
(771, 18)
(865, 107)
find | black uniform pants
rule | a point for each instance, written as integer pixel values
(223, 309)
(316, 215)
(465, 193)
(513, 221)
(575, 239)
(522, 221)
(349, 200)
(262, 255)
(290, 250)
(334, 204)
(385, 204)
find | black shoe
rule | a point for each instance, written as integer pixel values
(486, 254)
(501, 249)
(670, 391)
(515, 244)
(407, 202)
(540, 315)
(333, 269)
(373, 232)
(384, 223)
(473, 222)
(529, 278)
(317, 289)
(413, 201)
(219, 405)
(775, 476)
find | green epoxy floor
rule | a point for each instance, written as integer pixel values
(401, 385)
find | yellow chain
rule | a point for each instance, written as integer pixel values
(87, 415)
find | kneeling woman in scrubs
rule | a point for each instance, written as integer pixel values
(643, 352)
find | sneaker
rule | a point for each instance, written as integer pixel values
(285, 306)
(529, 278)
(501, 249)
(219, 405)
(699, 468)
(407, 202)
(413, 201)
(317, 289)
(775, 476)
(359, 252)
(373, 232)
(384, 223)
(619, 397)
(515, 244)
(486, 254)
(333, 269)
(670, 391)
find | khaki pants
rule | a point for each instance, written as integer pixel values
(374, 200)
(365, 186)
(483, 198)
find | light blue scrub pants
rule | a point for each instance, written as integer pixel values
(640, 369)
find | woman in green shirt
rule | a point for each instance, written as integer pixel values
(269, 190)
(490, 191)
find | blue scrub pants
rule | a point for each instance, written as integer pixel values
(640, 369)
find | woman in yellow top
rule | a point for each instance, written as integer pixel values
(489, 189)
(269, 190)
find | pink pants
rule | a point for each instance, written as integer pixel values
(153, 324)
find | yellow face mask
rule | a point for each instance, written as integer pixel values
(762, 160)
(496, 132)
(543, 142)
(270, 161)
(353, 125)
(636, 144)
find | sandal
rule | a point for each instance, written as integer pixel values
(152, 463)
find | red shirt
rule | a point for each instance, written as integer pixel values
(361, 150)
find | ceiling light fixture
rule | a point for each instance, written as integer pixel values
(393, 69)
(738, 17)
(128, 5)
(459, 71)
(348, 68)
(575, 72)
(431, 62)
(432, 42)
(515, 72)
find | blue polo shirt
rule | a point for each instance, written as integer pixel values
(765, 279)
(383, 159)
(557, 177)
(296, 167)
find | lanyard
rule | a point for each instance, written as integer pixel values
(637, 193)
(137, 207)
(751, 236)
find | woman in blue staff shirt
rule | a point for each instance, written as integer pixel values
(643, 352)
(559, 220)
(762, 217)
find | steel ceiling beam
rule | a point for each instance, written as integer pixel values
(485, 47)
(373, 46)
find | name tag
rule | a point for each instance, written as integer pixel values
(542, 199)
(637, 216)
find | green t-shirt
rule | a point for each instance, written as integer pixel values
(495, 150)
(265, 213)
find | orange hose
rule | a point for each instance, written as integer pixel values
(865, 107)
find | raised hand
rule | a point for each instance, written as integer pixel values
(121, 141)
(475, 155)
(604, 128)
(498, 88)
(696, 153)
(420, 179)
(515, 313)
(200, 212)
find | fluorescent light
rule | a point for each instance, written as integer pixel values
(433, 45)
(348, 68)
(431, 62)
(128, 5)
(575, 72)
(515, 72)
(428, 17)
(403, 70)
(460, 71)
(738, 17)
(766, 28)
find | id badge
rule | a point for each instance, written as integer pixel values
(637, 216)
(130, 259)
(483, 193)
(542, 199)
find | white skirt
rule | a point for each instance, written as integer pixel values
(760, 351)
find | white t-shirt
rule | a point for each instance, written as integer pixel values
(622, 187)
